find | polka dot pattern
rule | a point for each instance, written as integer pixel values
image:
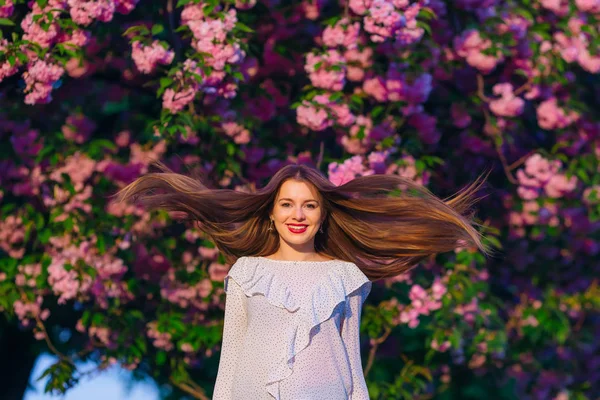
(291, 331)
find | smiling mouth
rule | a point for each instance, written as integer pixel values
(297, 228)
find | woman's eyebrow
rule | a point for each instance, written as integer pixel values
(285, 198)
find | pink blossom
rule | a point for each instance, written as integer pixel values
(161, 340)
(360, 7)
(191, 12)
(6, 9)
(5, 68)
(12, 234)
(377, 161)
(312, 117)
(470, 44)
(125, 6)
(35, 33)
(78, 128)
(327, 71)
(39, 79)
(508, 105)
(383, 21)
(312, 8)
(176, 101)
(236, 131)
(245, 4)
(348, 170)
(342, 34)
(541, 168)
(558, 185)
(376, 87)
(590, 6)
(357, 62)
(146, 58)
(217, 271)
(559, 7)
(551, 116)
(78, 166)
(441, 347)
(342, 114)
(353, 144)
(84, 12)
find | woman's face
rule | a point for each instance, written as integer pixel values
(297, 212)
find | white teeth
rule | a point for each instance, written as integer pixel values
(297, 228)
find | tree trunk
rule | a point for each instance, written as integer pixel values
(17, 357)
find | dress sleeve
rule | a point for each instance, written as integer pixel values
(234, 332)
(350, 334)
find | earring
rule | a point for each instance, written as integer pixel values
(270, 226)
(321, 228)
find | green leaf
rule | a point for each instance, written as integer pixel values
(161, 358)
(157, 29)
(6, 22)
(243, 27)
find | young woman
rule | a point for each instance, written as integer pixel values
(304, 253)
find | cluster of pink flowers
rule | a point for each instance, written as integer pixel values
(5, 68)
(357, 62)
(541, 175)
(27, 274)
(322, 113)
(238, 132)
(591, 6)
(210, 35)
(185, 295)
(470, 45)
(385, 19)
(78, 128)
(422, 302)
(558, 7)
(32, 29)
(468, 311)
(161, 340)
(406, 168)
(78, 166)
(28, 311)
(533, 214)
(397, 86)
(12, 233)
(343, 34)
(551, 116)
(7, 9)
(63, 275)
(348, 170)
(352, 143)
(327, 70)
(84, 12)
(147, 58)
(40, 77)
(508, 105)
(108, 283)
(193, 79)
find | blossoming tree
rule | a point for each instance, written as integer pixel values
(92, 91)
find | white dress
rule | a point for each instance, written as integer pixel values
(291, 331)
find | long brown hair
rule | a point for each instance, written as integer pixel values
(385, 224)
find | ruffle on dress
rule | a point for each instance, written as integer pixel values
(255, 277)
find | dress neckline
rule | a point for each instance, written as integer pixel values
(299, 261)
